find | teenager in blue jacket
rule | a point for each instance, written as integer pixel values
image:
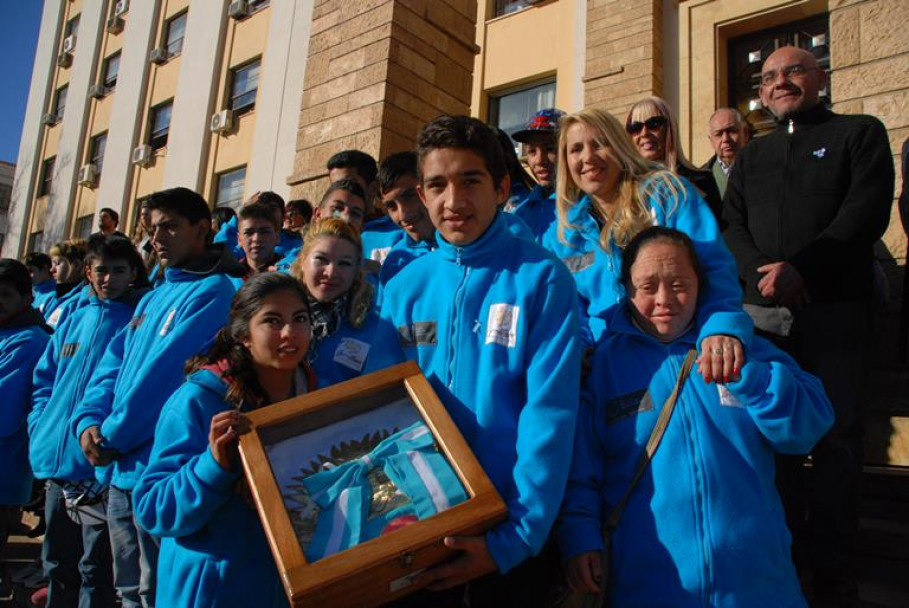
(213, 548)
(44, 287)
(607, 193)
(77, 559)
(23, 336)
(705, 526)
(492, 321)
(143, 366)
(68, 270)
(349, 338)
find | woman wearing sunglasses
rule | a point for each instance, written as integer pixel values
(606, 194)
(654, 131)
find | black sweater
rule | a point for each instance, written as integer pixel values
(818, 198)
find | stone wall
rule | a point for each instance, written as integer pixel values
(377, 71)
(624, 60)
(870, 75)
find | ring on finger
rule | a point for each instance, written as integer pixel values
(717, 350)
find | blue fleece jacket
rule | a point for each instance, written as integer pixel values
(45, 293)
(227, 234)
(349, 352)
(597, 272)
(22, 340)
(143, 365)
(60, 380)
(65, 305)
(213, 549)
(379, 236)
(705, 526)
(494, 327)
(538, 211)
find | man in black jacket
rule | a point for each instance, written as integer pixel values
(803, 207)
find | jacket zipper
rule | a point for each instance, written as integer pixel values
(459, 293)
(789, 131)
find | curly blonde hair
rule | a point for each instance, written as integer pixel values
(639, 181)
(361, 292)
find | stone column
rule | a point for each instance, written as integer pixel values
(624, 60)
(377, 71)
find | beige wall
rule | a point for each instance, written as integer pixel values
(532, 44)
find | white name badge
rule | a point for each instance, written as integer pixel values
(352, 353)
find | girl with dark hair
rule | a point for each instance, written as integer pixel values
(349, 339)
(213, 549)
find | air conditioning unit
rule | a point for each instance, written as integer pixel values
(121, 7)
(69, 44)
(143, 155)
(221, 122)
(88, 175)
(115, 25)
(97, 91)
(64, 60)
(238, 9)
(49, 119)
(158, 55)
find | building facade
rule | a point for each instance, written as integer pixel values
(230, 98)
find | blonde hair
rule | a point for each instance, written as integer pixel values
(361, 292)
(657, 106)
(639, 181)
(73, 250)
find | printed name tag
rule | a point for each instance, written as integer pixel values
(422, 333)
(727, 398)
(352, 353)
(379, 254)
(577, 263)
(502, 325)
(628, 405)
(69, 350)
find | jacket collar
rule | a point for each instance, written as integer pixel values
(30, 317)
(489, 244)
(811, 116)
(216, 259)
(619, 321)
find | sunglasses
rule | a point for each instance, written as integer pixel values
(653, 123)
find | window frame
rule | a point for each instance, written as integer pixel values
(495, 98)
(234, 203)
(93, 157)
(248, 105)
(158, 139)
(79, 226)
(257, 5)
(35, 242)
(46, 182)
(110, 84)
(72, 28)
(176, 42)
(58, 110)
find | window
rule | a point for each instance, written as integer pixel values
(176, 30)
(72, 27)
(96, 151)
(60, 102)
(160, 125)
(244, 84)
(257, 5)
(47, 177)
(111, 71)
(230, 188)
(36, 242)
(746, 58)
(6, 195)
(83, 227)
(510, 111)
(504, 7)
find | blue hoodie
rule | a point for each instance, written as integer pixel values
(349, 352)
(213, 549)
(143, 365)
(705, 526)
(22, 340)
(494, 326)
(597, 272)
(45, 293)
(227, 235)
(60, 380)
(538, 211)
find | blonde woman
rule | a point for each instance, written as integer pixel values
(606, 194)
(348, 338)
(654, 131)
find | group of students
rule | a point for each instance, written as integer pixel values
(498, 287)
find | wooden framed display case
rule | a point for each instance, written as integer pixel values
(358, 484)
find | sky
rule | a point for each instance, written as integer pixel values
(18, 39)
